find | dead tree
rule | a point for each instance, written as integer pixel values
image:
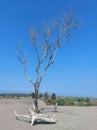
(45, 43)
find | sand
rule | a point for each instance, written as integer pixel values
(68, 117)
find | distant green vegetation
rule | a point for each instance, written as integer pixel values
(13, 95)
(70, 101)
(52, 99)
(74, 101)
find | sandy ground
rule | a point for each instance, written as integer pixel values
(68, 118)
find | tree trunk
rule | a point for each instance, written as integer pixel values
(36, 99)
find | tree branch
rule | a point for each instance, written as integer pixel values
(23, 61)
(33, 38)
(47, 66)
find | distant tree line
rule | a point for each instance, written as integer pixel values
(51, 99)
(14, 95)
(45, 96)
(66, 101)
(71, 101)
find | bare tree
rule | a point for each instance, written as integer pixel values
(46, 43)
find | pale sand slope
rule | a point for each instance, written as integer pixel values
(68, 118)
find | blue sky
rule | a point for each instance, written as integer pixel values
(74, 72)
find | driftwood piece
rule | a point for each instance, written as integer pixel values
(35, 117)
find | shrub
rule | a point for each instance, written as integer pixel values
(71, 102)
(46, 95)
(60, 102)
(33, 95)
(48, 101)
(89, 104)
(87, 100)
(53, 96)
(79, 100)
(40, 95)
